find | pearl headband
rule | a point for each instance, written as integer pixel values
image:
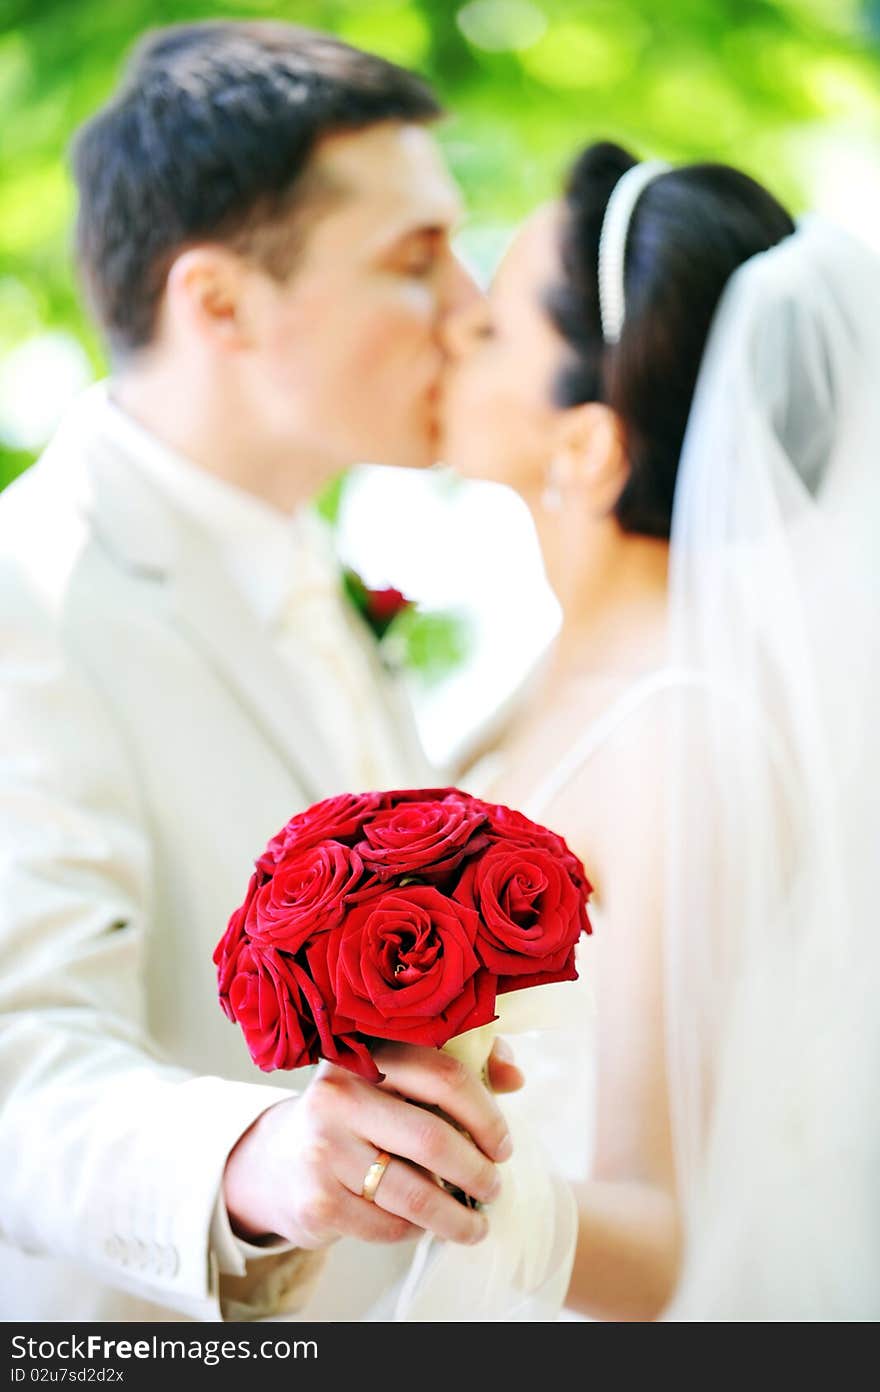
(612, 244)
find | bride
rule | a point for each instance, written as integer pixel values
(681, 385)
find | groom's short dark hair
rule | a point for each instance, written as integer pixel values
(209, 137)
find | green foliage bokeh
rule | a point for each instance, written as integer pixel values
(756, 82)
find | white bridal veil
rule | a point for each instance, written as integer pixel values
(773, 929)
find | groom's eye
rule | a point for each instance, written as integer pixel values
(421, 266)
(419, 255)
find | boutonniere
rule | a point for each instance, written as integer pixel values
(431, 643)
(378, 608)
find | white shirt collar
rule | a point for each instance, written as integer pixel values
(258, 545)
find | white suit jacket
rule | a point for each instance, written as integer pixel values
(150, 741)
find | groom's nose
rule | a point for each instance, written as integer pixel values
(461, 292)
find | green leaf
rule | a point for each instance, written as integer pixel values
(328, 503)
(432, 644)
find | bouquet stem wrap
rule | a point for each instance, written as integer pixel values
(521, 1270)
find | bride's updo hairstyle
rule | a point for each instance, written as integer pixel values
(690, 230)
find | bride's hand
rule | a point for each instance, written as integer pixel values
(504, 1075)
(299, 1170)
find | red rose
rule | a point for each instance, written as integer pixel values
(391, 799)
(234, 939)
(283, 1016)
(427, 839)
(530, 911)
(403, 967)
(506, 825)
(306, 895)
(385, 605)
(335, 819)
(330, 952)
(265, 995)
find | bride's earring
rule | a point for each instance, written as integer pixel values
(551, 497)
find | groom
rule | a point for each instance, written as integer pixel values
(264, 234)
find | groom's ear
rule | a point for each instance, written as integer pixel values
(590, 456)
(205, 293)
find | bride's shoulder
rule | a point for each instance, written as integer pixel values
(615, 765)
(596, 739)
(627, 719)
(515, 768)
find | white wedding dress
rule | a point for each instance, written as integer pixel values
(559, 1063)
(557, 1055)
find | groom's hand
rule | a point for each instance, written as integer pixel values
(299, 1170)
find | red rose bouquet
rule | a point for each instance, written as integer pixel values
(399, 916)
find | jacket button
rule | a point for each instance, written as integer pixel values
(113, 1247)
(140, 1255)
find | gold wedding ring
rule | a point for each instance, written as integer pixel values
(373, 1177)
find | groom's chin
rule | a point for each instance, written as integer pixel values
(420, 451)
(406, 435)
(421, 447)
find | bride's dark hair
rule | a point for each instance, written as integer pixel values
(692, 227)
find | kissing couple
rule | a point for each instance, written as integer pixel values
(678, 379)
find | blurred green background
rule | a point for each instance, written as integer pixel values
(788, 89)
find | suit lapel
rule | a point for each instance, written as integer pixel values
(143, 532)
(206, 607)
